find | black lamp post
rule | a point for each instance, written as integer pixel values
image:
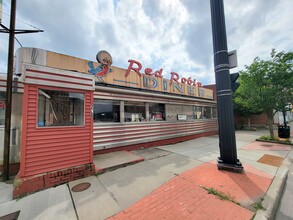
(228, 154)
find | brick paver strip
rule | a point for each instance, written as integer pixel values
(244, 188)
(183, 198)
(257, 145)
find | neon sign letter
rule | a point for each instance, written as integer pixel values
(130, 67)
(174, 77)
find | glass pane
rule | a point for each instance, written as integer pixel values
(172, 111)
(134, 111)
(157, 112)
(197, 112)
(179, 112)
(207, 112)
(106, 111)
(188, 111)
(2, 108)
(215, 113)
(60, 108)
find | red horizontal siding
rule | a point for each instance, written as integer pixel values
(47, 149)
(35, 76)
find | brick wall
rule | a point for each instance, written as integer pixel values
(27, 185)
(255, 120)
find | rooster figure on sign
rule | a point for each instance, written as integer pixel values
(105, 60)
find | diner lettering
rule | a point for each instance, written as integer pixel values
(137, 66)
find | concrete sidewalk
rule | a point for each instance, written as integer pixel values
(168, 182)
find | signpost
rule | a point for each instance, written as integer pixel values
(227, 143)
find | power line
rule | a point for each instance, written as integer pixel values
(18, 41)
(22, 21)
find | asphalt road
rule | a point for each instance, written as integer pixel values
(285, 209)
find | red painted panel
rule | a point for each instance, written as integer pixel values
(47, 149)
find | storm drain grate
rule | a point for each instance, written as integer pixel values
(80, 187)
(271, 160)
(11, 216)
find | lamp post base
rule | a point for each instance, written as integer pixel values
(236, 168)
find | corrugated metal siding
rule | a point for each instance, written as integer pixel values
(150, 98)
(41, 75)
(52, 148)
(125, 134)
(118, 135)
(16, 86)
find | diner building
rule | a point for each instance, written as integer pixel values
(66, 109)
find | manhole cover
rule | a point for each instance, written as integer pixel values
(80, 187)
(271, 160)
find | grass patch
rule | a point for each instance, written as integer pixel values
(220, 195)
(268, 138)
(258, 205)
(276, 139)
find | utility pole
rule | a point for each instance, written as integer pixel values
(12, 31)
(9, 92)
(227, 142)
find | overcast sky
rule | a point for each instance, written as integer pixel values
(170, 34)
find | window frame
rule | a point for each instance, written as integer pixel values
(163, 114)
(147, 106)
(105, 122)
(60, 90)
(201, 112)
(143, 114)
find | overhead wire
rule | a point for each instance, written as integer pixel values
(22, 21)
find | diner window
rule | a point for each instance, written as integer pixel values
(207, 112)
(107, 111)
(179, 112)
(214, 113)
(134, 111)
(157, 112)
(2, 108)
(60, 108)
(197, 112)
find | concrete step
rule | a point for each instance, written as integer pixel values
(114, 160)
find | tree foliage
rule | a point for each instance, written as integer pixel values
(266, 86)
(244, 102)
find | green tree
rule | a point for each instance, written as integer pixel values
(282, 65)
(243, 100)
(266, 85)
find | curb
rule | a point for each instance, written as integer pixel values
(273, 195)
(274, 142)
